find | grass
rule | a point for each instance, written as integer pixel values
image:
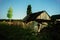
(9, 32)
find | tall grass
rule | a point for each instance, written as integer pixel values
(11, 32)
(14, 32)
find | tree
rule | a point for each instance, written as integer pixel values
(9, 14)
(29, 10)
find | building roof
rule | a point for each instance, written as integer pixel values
(33, 16)
(55, 16)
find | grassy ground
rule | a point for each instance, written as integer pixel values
(9, 32)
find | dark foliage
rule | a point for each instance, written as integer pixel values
(29, 11)
(50, 33)
(9, 32)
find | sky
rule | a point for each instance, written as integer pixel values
(52, 7)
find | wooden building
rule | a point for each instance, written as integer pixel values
(42, 15)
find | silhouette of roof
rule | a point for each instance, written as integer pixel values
(33, 16)
(55, 16)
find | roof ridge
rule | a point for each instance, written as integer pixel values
(40, 11)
